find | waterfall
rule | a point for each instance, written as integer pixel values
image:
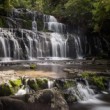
(2, 40)
(34, 23)
(23, 44)
(58, 45)
(50, 83)
(23, 90)
(78, 46)
(81, 91)
(85, 92)
(58, 36)
(53, 25)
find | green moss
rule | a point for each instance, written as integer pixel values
(33, 85)
(87, 74)
(16, 82)
(70, 98)
(98, 81)
(69, 83)
(42, 83)
(33, 66)
(2, 21)
(95, 79)
(6, 90)
(64, 84)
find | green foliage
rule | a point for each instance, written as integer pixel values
(100, 12)
(91, 13)
(30, 4)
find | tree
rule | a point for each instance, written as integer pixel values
(100, 13)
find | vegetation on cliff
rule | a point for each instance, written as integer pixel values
(93, 14)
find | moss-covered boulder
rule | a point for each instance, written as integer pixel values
(33, 84)
(96, 79)
(16, 82)
(70, 98)
(42, 83)
(64, 84)
(33, 66)
(6, 90)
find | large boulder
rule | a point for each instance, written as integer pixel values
(48, 99)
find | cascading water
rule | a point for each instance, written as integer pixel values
(22, 44)
(82, 92)
(58, 45)
(58, 40)
(8, 39)
(34, 23)
(53, 25)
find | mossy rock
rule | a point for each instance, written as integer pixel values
(3, 22)
(69, 83)
(70, 98)
(33, 84)
(46, 96)
(16, 82)
(95, 79)
(99, 81)
(88, 74)
(6, 90)
(33, 66)
(64, 84)
(42, 83)
(27, 24)
(40, 24)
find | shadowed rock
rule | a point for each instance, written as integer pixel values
(48, 99)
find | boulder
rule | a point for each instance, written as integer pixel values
(48, 99)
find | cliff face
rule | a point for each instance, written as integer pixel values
(20, 18)
(26, 34)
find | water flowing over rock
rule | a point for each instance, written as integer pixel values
(53, 39)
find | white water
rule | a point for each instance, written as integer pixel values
(34, 23)
(58, 40)
(4, 46)
(50, 83)
(23, 90)
(32, 44)
(58, 45)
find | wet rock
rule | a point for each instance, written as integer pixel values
(49, 99)
(42, 83)
(70, 98)
(33, 84)
(67, 70)
(6, 90)
(15, 83)
(64, 83)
